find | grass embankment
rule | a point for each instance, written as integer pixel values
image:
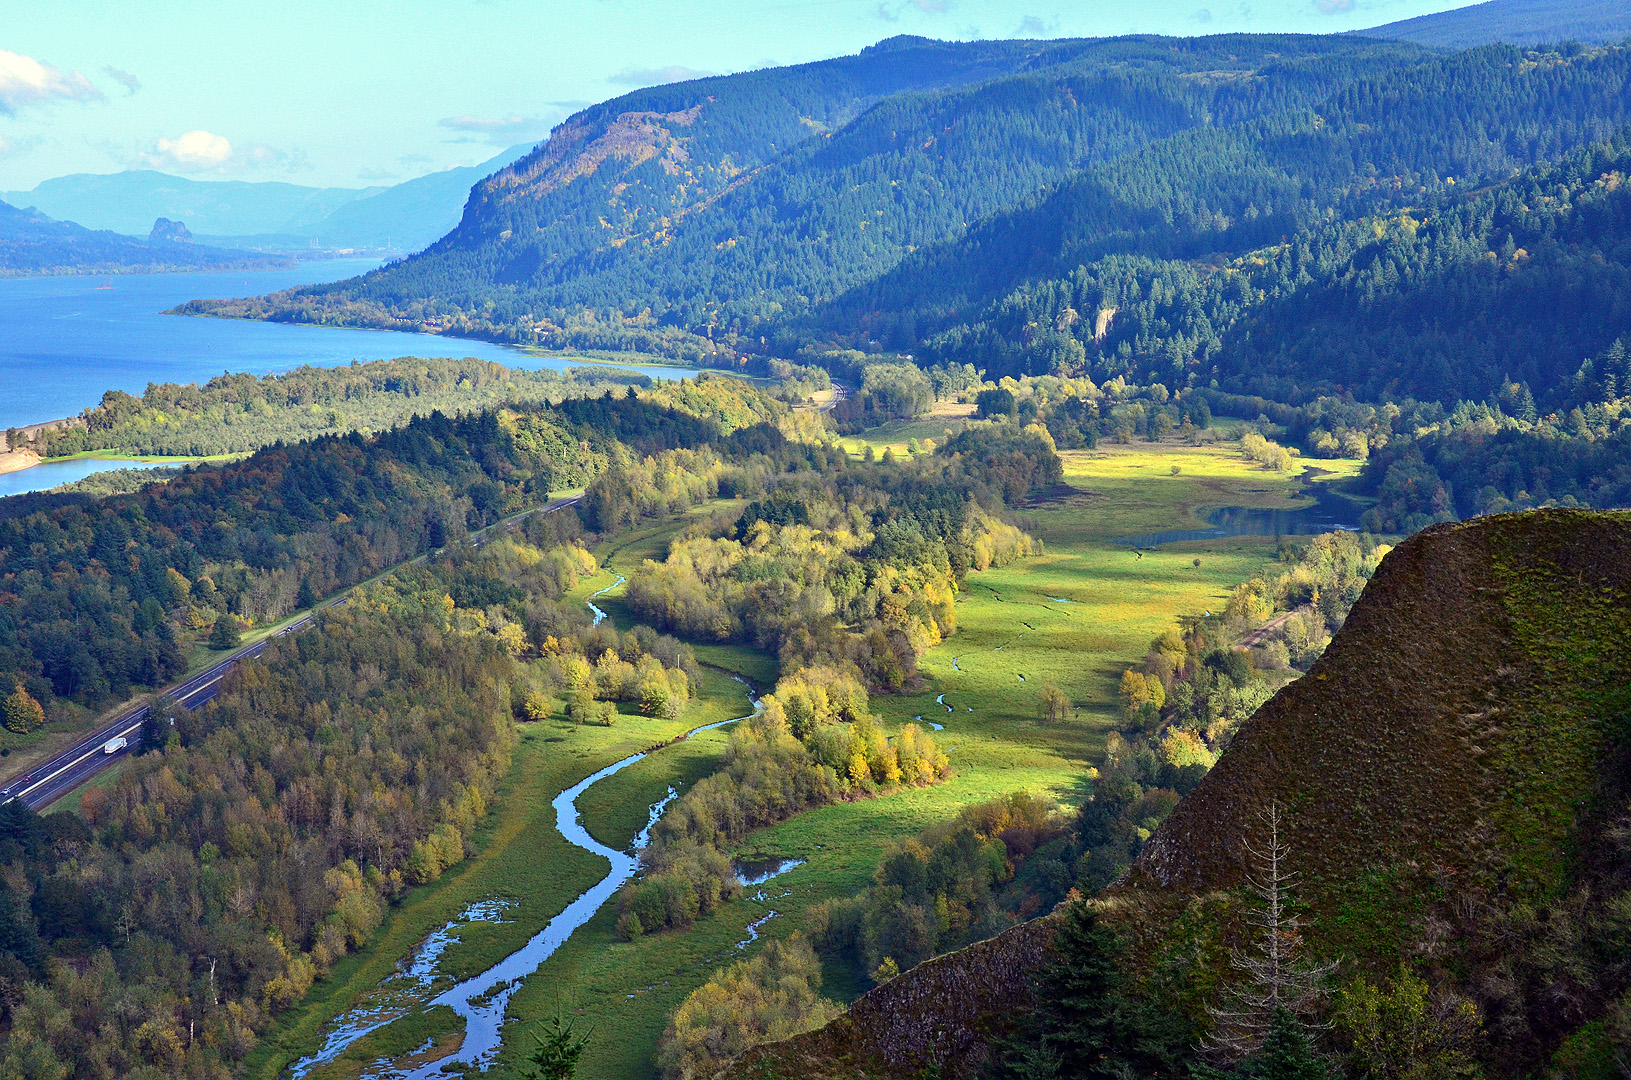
(411, 1041)
(150, 459)
(624, 992)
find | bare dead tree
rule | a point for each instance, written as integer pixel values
(1276, 977)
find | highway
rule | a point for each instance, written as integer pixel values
(53, 779)
(840, 391)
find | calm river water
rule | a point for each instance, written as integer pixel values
(64, 341)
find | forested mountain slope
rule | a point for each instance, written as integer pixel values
(1515, 22)
(1520, 282)
(1452, 784)
(685, 215)
(1409, 136)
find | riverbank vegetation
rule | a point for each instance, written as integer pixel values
(812, 742)
(775, 995)
(858, 566)
(233, 414)
(995, 740)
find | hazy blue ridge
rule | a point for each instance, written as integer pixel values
(1515, 22)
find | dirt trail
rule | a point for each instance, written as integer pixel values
(1264, 632)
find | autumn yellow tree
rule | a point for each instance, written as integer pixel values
(23, 713)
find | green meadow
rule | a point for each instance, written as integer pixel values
(1075, 615)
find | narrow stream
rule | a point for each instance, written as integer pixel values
(600, 615)
(483, 999)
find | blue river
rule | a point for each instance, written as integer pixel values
(64, 341)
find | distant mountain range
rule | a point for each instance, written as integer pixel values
(32, 244)
(1515, 22)
(402, 217)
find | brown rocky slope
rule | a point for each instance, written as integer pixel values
(1455, 783)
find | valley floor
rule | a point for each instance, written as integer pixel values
(1076, 616)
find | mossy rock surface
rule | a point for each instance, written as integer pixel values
(1454, 761)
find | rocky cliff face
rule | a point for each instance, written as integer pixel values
(941, 1014)
(1454, 779)
(166, 231)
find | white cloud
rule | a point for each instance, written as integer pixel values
(1204, 15)
(1335, 7)
(506, 130)
(1032, 26)
(892, 12)
(196, 151)
(26, 81)
(6, 149)
(202, 151)
(673, 73)
(123, 78)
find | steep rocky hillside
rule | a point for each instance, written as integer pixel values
(1454, 777)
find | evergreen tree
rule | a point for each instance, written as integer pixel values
(225, 634)
(559, 1048)
(1288, 1053)
(308, 596)
(1086, 1025)
(155, 729)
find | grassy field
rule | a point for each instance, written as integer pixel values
(945, 420)
(1075, 615)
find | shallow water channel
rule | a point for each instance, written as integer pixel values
(482, 999)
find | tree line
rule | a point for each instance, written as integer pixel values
(233, 414)
(857, 565)
(812, 742)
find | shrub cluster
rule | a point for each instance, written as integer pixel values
(811, 743)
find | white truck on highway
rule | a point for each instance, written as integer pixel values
(115, 744)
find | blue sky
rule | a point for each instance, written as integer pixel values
(357, 92)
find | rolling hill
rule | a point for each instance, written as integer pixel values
(981, 203)
(681, 216)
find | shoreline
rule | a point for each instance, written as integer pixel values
(17, 460)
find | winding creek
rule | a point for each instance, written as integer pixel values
(481, 1000)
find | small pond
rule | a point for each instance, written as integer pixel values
(1328, 512)
(758, 871)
